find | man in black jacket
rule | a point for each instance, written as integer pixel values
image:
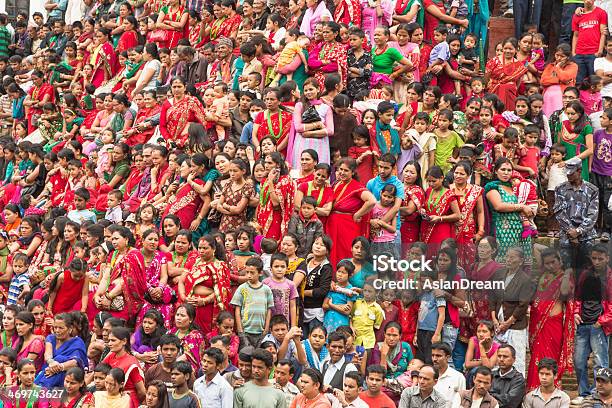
(508, 384)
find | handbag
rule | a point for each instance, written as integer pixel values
(158, 35)
(310, 115)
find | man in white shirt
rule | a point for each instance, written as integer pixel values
(282, 380)
(450, 381)
(212, 389)
(349, 397)
(335, 366)
(603, 67)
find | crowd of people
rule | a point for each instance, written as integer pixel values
(197, 198)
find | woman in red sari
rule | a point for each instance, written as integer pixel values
(190, 203)
(348, 12)
(40, 94)
(551, 324)
(229, 26)
(412, 204)
(329, 55)
(276, 198)
(123, 285)
(504, 73)
(470, 228)
(129, 38)
(273, 121)
(120, 357)
(103, 58)
(177, 112)
(350, 215)
(142, 130)
(207, 285)
(172, 19)
(440, 211)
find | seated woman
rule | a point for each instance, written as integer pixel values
(481, 350)
(146, 338)
(392, 353)
(30, 237)
(30, 345)
(191, 338)
(63, 351)
(142, 128)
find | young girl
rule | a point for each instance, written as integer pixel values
(69, 290)
(145, 217)
(508, 146)
(367, 316)
(555, 175)
(97, 261)
(590, 94)
(369, 118)
(106, 143)
(157, 395)
(448, 141)
(600, 173)
(382, 234)
(339, 301)
(26, 393)
(427, 142)
(50, 122)
(244, 251)
(363, 153)
(526, 191)
(482, 349)
(391, 311)
(145, 339)
(410, 149)
(225, 327)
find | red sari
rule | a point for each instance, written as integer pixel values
(276, 125)
(411, 224)
(128, 40)
(173, 36)
(186, 204)
(550, 336)
(213, 275)
(341, 227)
(38, 94)
(466, 227)
(176, 115)
(103, 59)
(504, 79)
(275, 222)
(335, 53)
(348, 12)
(229, 26)
(439, 206)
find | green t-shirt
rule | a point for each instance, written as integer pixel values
(254, 304)
(254, 396)
(383, 63)
(444, 149)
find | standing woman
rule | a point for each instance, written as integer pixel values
(576, 134)
(172, 19)
(440, 211)
(206, 286)
(410, 211)
(276, 198)
(351, 207)
(272, 121)
(235, 197)
(191, 337)
(504, 73)
(319, 189)
(120, 356)
(362, 261)
(103, 58)
(328, 56)
(506, 211)
(315, 12)
(309, 159)
(130, 38)
(311, 132)
(470, 227)
(558, 75)
(384, 56)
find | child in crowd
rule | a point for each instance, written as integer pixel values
(268, 248)
(101, 370)
(225, 327)
(411, 150)
(509, 145)
(251, 64)
(554, 175)
(19, 287)
(253, 303)
(306, 225)
(529, 153)
(382, 234)
(74, 286)
(590, 94)
(97, 261)
(469, 61)
(293, 49)
(537, 52)
(438, 56)
(526, 191)
(384, 137)
(430, 317)
(367, 316)
(448, 141)
(340, 299)
(426, 141)
(283, 290)
(362, 151)
(114, 213)
(106, 146)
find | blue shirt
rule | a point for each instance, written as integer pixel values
(428, 311)
(58, 13)
(16, 287)
(376, 185)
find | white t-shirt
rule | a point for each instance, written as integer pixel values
(603, 64)
(155, 66)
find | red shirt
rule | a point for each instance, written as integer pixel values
(587, 26)
(381, 401)
(530, 158)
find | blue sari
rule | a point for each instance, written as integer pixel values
(358, 279)
(72, 349)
